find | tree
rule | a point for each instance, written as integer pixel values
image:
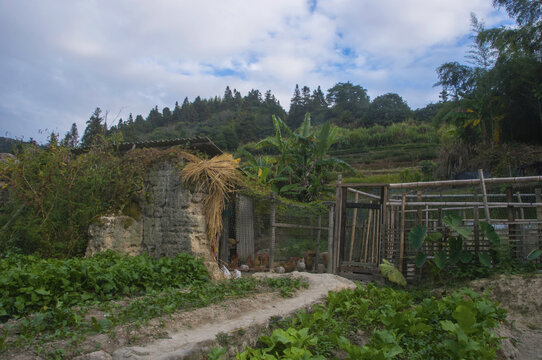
(71, 139)
(94, 129)
(228, 102)
(387, 109)
(348, 102)
(297, 110)
(302, 166)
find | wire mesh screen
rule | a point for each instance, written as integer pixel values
(270, 234)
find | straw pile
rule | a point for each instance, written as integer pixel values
(216, 177)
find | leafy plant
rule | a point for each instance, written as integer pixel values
(300, 170)
(391, 273)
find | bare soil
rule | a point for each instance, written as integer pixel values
(521, 296)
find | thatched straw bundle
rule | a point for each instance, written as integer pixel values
(217, 177)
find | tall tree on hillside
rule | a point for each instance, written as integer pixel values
(95, 128)
(387, 109)
(166, 116)
(349, 103)
(71, 139)
(296, 113)
(176, 114)
(228, 102)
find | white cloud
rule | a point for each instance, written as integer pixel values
(60, 59)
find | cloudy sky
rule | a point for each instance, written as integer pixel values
(60, 59)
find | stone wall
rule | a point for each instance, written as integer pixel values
(172, 221)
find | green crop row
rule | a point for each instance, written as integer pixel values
(30, 284)
(382, 323)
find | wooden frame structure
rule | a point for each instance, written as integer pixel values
(390, 212)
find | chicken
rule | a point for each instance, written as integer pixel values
(265, 260)
(289, 266)
(234, 263)
(301, 265)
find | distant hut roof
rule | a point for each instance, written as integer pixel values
(199, 143)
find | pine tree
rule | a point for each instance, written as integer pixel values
(94, 128)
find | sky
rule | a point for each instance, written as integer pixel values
(60, 59)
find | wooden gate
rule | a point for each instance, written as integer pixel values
(359, 232)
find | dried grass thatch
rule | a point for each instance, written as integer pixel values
(217, 177)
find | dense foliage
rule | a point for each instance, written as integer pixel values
(53, 195)
(498, 96)
(301, 167)
(396, 324)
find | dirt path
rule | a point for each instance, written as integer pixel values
(226, 325)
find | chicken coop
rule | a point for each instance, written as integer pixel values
(374, 220)
(265, 233)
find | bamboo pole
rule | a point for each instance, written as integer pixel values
(273, 233)
(330, 237)
(376, 237)
(363, 235)
(353, 237)
(467, 203)
(317, 250)
(384, 237)
(484, 194)
(538, 198)
(369, 221)
(392, 227)
(402, 244)
(521, 211)
(338, 213)
(463, 182)
(476, 221)
(359, 192)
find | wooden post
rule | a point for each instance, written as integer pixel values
(538, 196)
(521, 211)
(354, 221)
(402, 245)
(369, 225)
(338, 229)
(376, 237)
(340, 244)
(317, 252)
(484, 194)
(392, 234)
(385, 222)
(476, 226)
(273, 229)
(420, 215)
(330, 238)
(510, 215)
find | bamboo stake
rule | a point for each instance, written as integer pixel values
(465, 182)
(402, 245)
(521, 211)
(363, 235)
(353, 237)
(376, 237)
(368, 233)
(317, 251)
(484, 193)
(273, 232)
(392, 227)
(330, 238)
